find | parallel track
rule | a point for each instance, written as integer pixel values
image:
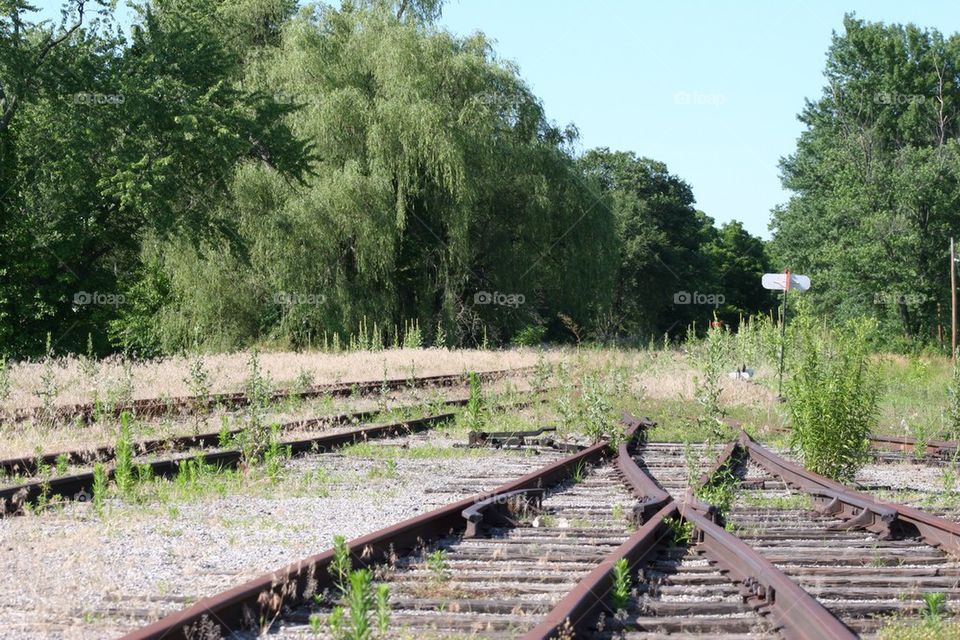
(156, 407)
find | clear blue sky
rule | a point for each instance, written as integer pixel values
(710, 88)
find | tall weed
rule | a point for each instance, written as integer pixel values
(832, 397)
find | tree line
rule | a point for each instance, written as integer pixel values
(237, 172)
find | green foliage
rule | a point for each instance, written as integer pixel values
(934, 608)
(5, 382)
(340, 565)
(255, 437)
(681, 531)
(383, 609)
(475, 413)
(876, 180)
(437, 565)
(832, 397)
(530, 336)
(123, 473)
(720, 490)
(666, 247)
(224, 437)
(712, 359)
(252, 173)
(198, 380)
(100, 486)
(622, 583)
(276, 454)
(953, 392)
(61, 464)
(359, 599)
(598, 415)
(315, 621)
(48, 391)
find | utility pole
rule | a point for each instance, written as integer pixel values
(953, 301)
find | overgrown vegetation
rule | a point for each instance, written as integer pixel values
(364, 612)
(832, 397)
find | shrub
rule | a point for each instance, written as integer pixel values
(832, 397)
(530, 336)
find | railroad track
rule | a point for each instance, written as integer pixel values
(79, 485)
(477, 568)
(157, 407)
(551, 581)
(862, 559)
(497, 579)
(137, 602)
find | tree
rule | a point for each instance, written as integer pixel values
(875, 177)
(738, 261)
(661, 236)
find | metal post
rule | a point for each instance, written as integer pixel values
(783, 329)
(953, 301)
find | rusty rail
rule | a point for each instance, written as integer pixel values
(797, 614)
(156, 407)
(650, 495)
(492, 510)
(580, 608)
(261, 599)
(30, 465)
(862, 510)
(939, 448)
(78, 486)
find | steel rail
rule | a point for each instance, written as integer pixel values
(78, 486)
(797, 614)
(905, 443)
(156, 407)
(651, 496)
(581, 608)
(30, 465)
(260, 600)
(862, 510)
(491, 510)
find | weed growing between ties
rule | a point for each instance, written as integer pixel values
(832, 398)
(363, 612)
(720, 490)
(622, 584)
(932, 624)
(681, 531)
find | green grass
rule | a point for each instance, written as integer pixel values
(914, 399)
(901, 630)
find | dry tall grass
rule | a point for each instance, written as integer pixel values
(168, 377)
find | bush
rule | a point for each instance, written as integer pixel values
(832, 397)
(530, 336)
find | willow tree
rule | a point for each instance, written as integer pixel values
(437, 177)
